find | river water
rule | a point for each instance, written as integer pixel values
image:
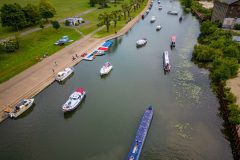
(186, 123)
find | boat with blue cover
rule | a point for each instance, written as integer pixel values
(107, 44)
(141, 134)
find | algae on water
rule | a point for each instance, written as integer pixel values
(183, 130)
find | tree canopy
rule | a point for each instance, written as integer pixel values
(12, 15)
(46, 9)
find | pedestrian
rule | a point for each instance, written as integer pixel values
(73, 58)
(55, 63)
(53, 70)
(76, 56)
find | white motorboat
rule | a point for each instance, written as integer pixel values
(158, 28)
(147, 11)
(159, 7)
(21, 107)
(159, 1)
(166, 63)
(74, 100)
(153, 19)
(172, 12)
(106, 68)
(141, 42)
(61, 76)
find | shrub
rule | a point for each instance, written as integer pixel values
(234, 114)
(237, 26)
(205, 53)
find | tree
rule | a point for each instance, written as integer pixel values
(46, 9)
(208, 27)
(92, 3)
(32, 14)
(105, 19)
(116, 16)
(102, 3)
(224, 68)
(55, 25)
(124, 10)
(13, 16)
(188, 3)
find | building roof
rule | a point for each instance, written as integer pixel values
(228, 1)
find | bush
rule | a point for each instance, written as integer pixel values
(205, 53)
(224, 69)
(237, 26)
(234, 114)
(67, 23)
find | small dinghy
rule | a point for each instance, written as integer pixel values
(159, 7)
(61, 76)
(172, 12)
(166, 63)
(74, 100)
(159, 2)
(158, 28)
(141, 42)
(153, 19)
(173, 42)
(141, 134)
(106, 68)
(21, 107)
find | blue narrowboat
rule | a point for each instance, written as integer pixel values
(141, 134)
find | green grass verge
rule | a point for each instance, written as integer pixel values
(32, 48)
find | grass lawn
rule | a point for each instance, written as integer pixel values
(64, 9)
(32, 48)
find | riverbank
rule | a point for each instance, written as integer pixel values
(33, 80)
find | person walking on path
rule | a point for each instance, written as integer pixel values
(53, 71)
(55, 63)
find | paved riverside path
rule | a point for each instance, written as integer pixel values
(34, 79)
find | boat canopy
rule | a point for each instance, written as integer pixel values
(102, 49)
(80, 90)
(173, 38)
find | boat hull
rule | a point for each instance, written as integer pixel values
(75, 106)
(15, 115)
(141, 134)
(105, 71)
(61, 79)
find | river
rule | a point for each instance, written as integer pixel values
(186, 123)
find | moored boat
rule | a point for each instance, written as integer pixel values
(159, 7)
(141, 42)
(74, 100)
(172, 12)
(141, 134)
(166, 63)
(106, 68)
(62, 75)
(173, 42)
(153, 19)
(158, 28)
(21, 107)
